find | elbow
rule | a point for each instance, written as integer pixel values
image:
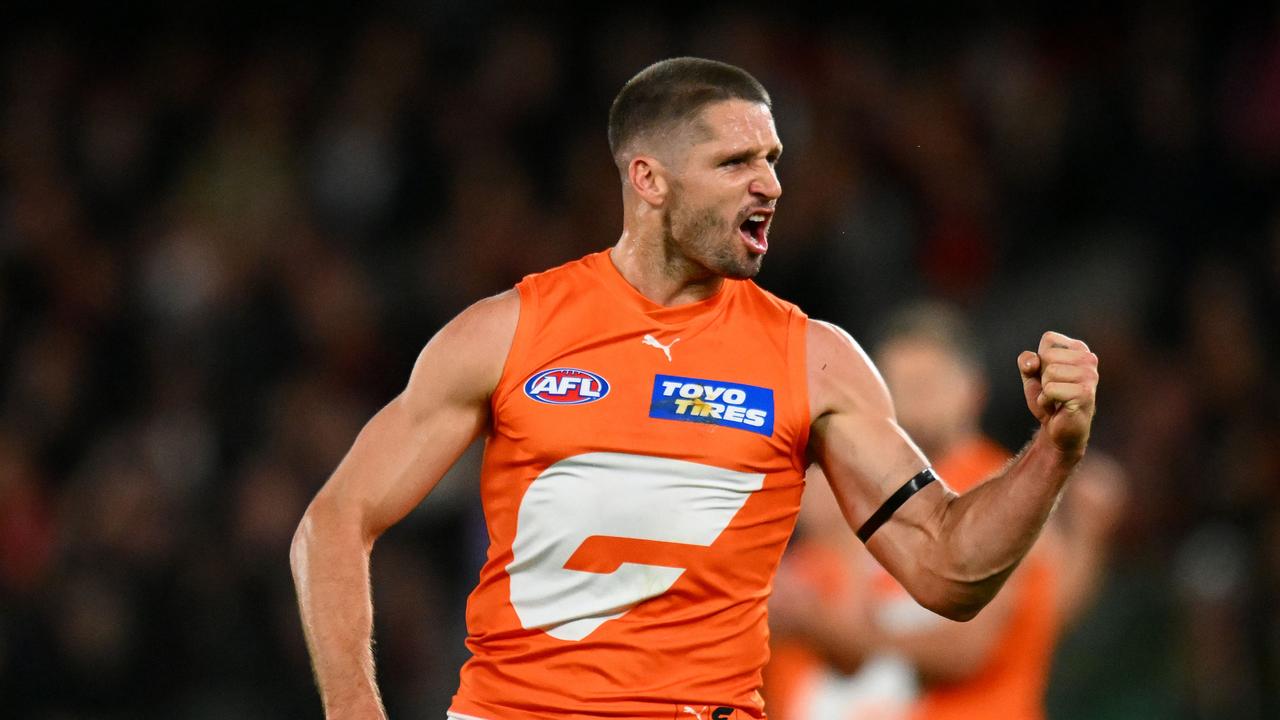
(956, 603)
(328, 526)
(957, 597)
(958, 610)
(299, 546)
(960, 585)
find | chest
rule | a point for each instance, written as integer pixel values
(720, 396)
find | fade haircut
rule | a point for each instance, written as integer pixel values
(671, 93)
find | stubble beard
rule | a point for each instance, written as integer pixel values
(702, 239)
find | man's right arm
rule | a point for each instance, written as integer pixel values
(846, 633)
(395, 461)
(951, 552)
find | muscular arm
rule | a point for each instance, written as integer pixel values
(939, 650)
(951, 552)
(396, 460)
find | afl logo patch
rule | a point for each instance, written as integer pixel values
(566, 386)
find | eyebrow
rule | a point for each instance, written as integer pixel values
(775, 152)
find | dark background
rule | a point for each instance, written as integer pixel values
(226, 229)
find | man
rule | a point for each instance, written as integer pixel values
(850, 643)
(650, 414)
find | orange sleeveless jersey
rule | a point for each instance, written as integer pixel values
(642, 475)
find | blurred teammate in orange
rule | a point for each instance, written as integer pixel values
(850, 644)
(649, 414)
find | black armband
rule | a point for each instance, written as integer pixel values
(890, 506)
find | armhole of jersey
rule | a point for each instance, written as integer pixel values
(525, 324)
(798, 364)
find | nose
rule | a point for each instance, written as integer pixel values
(766, 185)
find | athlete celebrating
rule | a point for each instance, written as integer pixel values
(649, 414)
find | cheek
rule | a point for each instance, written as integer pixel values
(705, 196)
(698, 222)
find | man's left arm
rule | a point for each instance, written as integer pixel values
(951, 552)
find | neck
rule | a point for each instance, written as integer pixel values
(660, 273)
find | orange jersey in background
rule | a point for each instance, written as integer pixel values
(1011, 684)
(641, 477)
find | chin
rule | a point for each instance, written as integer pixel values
(742, 268)
(744, 272)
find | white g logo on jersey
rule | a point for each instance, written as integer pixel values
(612, 495)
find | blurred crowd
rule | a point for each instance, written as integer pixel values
(225, 235)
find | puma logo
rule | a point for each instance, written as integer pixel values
(651, 341)
(686, 708)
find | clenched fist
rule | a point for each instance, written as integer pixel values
(1060, 381)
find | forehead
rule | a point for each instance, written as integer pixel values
(738, 124)
(919, 354)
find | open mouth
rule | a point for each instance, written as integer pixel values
(753, 231)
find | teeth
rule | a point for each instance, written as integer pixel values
(756, 218)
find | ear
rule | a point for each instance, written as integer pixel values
(648, 179)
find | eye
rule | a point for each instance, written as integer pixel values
(733, 161)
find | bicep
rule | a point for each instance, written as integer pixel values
(866, 456)
(866, 461)
(855, 437)
(404, 450)
(398, 458)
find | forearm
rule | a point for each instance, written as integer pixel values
(985, 533)
(330, 561)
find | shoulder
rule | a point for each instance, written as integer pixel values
(840, 373)
(466, 357)
(486, 325)
(767, 301)
(494, 313)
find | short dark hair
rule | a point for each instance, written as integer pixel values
(674, 91)
(936, 322)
